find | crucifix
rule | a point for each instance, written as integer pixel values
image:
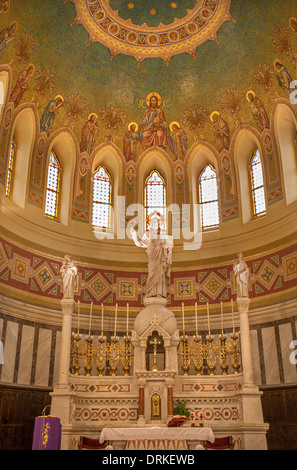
(155, 342)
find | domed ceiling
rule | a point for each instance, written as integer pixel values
(199, 57)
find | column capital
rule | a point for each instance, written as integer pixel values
(170, 382)
(67, 305)
(243, 304)
(141, 382)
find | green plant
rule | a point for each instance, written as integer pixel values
(181, 408)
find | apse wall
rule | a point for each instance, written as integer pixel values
(112, 270)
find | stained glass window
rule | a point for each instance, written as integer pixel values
(155, 194)
(10, 168)
(52, 186)
(208, 198)
(258, 193)
(102, 199)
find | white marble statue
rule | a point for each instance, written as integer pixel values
(68, 272)
(242, 273)
(159, 251)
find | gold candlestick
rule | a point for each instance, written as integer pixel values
(127, 355)
(211, 355)
(101, 355)
(185, 355)
(90, 322)
(223, 355)
(89, 355)
(113, 355)
(236, 353)
(197, 355)
(76, 356)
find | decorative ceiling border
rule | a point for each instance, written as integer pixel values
(165, 41)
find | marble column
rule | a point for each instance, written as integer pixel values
(253, 427)
(245, 339)
(61, 395)
(141, 418)
(170, 401)
(67, 310)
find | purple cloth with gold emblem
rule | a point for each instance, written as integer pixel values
(47, 433)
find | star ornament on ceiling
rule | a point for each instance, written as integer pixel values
(183, 35)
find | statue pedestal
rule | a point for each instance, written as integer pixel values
(155, 386)
(155, 311)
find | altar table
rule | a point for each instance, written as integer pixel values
(157, 437)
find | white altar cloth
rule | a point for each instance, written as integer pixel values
(157, 433)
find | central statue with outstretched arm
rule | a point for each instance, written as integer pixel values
(159, 251)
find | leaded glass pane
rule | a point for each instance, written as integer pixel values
(155, 194)
(53, 174)
(210, 214)
(10, 167)
(101, 215)
(208, 188)
(258, 185)
(51, 203)
(257, 171)
(259, 197)
(53, 179)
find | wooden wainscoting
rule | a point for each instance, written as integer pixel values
(18, 408)
(280, 411)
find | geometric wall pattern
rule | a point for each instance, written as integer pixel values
(22, 270)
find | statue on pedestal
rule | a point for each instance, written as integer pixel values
(68, 272)
(159, 251)
(242, 273)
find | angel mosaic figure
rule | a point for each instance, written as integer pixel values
(7, 35)
(258, 110)
(22, 84)
(177, 141)
(89, 134)
(221, 131)
(49, 114)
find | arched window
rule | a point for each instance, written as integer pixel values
(257, 185)
(208, 198)
(52, 186)
(155, 194)
(10, 169)
(102, 208)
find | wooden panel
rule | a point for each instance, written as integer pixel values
(280, 411)
(18, 409)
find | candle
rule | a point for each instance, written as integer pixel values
(196, 318)
(91, 310)
(78, 312)
(127, 318)
(222, 321)
(115, 320)
(208, 318)
(183, 313)
(232, 316)
(102, 319)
